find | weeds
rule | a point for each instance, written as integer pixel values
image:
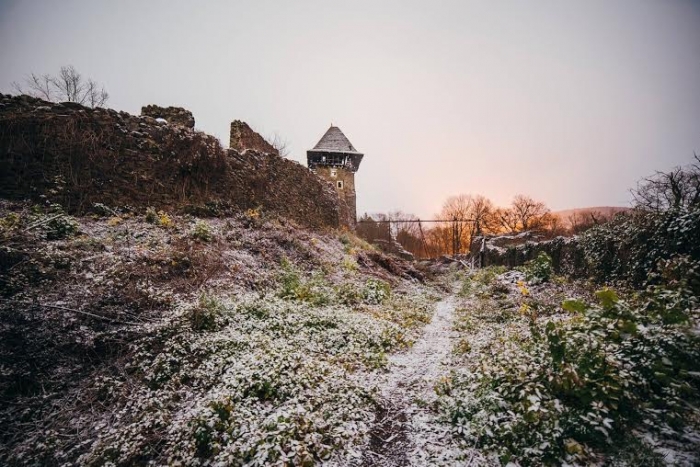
(56, 224)
(538, 270)
(479, 280)
(313, 290)
(352, 243)
(376, 292)
(276, 381)
(205, 316)
(202, 231)
(159, 218)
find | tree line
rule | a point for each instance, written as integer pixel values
(468, 216)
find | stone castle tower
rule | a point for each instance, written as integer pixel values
(336, 160)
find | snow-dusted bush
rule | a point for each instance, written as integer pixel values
(647, 248)
(240, 379)
(56, 224)
(563, 387)
(480, 280)
(205, 316)
(376, 291)
(202, 231)
(348, 294)
(313, 289)
(539, 269)
(151, 215)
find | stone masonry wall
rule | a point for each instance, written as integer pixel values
(243, 138)
(516, 250)
(346, 191)
(77, 156)
(173, 115)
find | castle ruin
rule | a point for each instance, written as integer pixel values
(336, 160)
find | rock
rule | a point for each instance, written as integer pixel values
(172, 115)
(394, 248)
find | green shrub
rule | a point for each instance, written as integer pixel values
(202, 231)
(348, 294)
(647, 248)
(349, 264)
(480, 279)
(375, 292)
(151, 215)
(289, 279)
(206, 315)
(59, 224)
(352, 243)
(576, 384)
(538, 270)
(313, 290)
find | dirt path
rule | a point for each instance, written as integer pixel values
(406, 430)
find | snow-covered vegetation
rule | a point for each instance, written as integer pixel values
(265, 359)
(553, 373)
(142, 337)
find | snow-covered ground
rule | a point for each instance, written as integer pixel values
(407, 430)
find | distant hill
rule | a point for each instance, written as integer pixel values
(606, 211)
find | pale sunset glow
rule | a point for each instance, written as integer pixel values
(350, 233)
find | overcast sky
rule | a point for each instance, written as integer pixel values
(569, 102)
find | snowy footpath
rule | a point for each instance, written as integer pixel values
(407, 430)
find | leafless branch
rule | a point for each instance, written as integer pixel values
(281, 144)
(677, 188)
(68, 86)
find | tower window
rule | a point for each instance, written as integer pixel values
(340, 184)
(334, 173)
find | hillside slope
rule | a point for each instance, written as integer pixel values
(129, 338)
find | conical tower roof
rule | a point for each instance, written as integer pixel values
(335, 141)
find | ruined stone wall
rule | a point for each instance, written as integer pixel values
(516, 250)
(292, 188)
(243, 138)
(173, 115)
(346, 187)
(77, 156)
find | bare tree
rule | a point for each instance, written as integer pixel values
(552, 225)
(68, 86)
(482, 214)
(456, 210)
(407, 232)
(528, 212)
(507, 219)
(39, 86)
(580, 221)
(439, 239)
(280, 144)
(678, 188)
(398, 223)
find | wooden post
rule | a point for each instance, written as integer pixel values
(455, 240)
(422, 236)
(482, 252)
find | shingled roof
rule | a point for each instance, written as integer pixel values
(335, 141)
